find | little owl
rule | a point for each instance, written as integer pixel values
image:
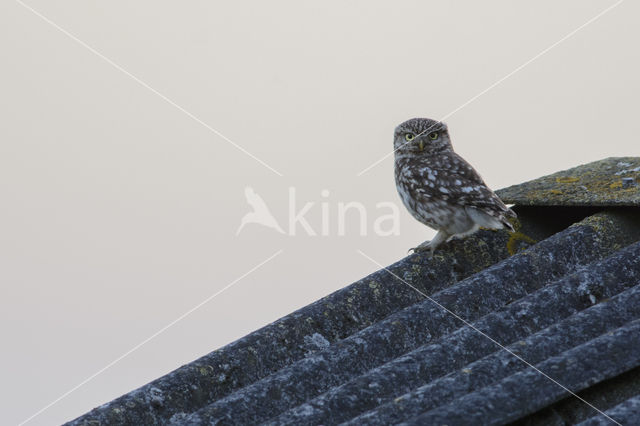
(439, 188)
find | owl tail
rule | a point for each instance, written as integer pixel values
(507, 224)
(505, 219)
(491, 219)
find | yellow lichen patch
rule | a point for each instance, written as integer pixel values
(600, 223)
(616, 185)
(567, 179)
(205, 370)
(376, 288)
(512, 244)
(555, 191)
(515, 223)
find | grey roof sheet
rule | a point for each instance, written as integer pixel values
(501, 328)
(613, 181)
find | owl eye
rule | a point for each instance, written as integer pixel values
(409, 136)
(433, 136)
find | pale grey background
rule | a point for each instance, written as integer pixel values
(119, 212)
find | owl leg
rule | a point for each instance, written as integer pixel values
(440, 237)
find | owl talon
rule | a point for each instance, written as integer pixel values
(424, 247)
(430, 246)
(421, 248)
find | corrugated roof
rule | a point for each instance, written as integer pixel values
(534, 327)
(610, 182)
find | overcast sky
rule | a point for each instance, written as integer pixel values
(124, 170)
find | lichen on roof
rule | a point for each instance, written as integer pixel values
(614, 181)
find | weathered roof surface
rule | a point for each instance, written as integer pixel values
(613, 181)
(498, 329)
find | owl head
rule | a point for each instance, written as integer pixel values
(420, 136)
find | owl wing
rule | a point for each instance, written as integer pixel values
(459, 183)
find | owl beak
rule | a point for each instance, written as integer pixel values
(421, 145)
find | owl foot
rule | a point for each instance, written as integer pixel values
(424, 247)
(430, 246)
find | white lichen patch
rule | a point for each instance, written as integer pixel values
(316, 342)
(625, 171)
